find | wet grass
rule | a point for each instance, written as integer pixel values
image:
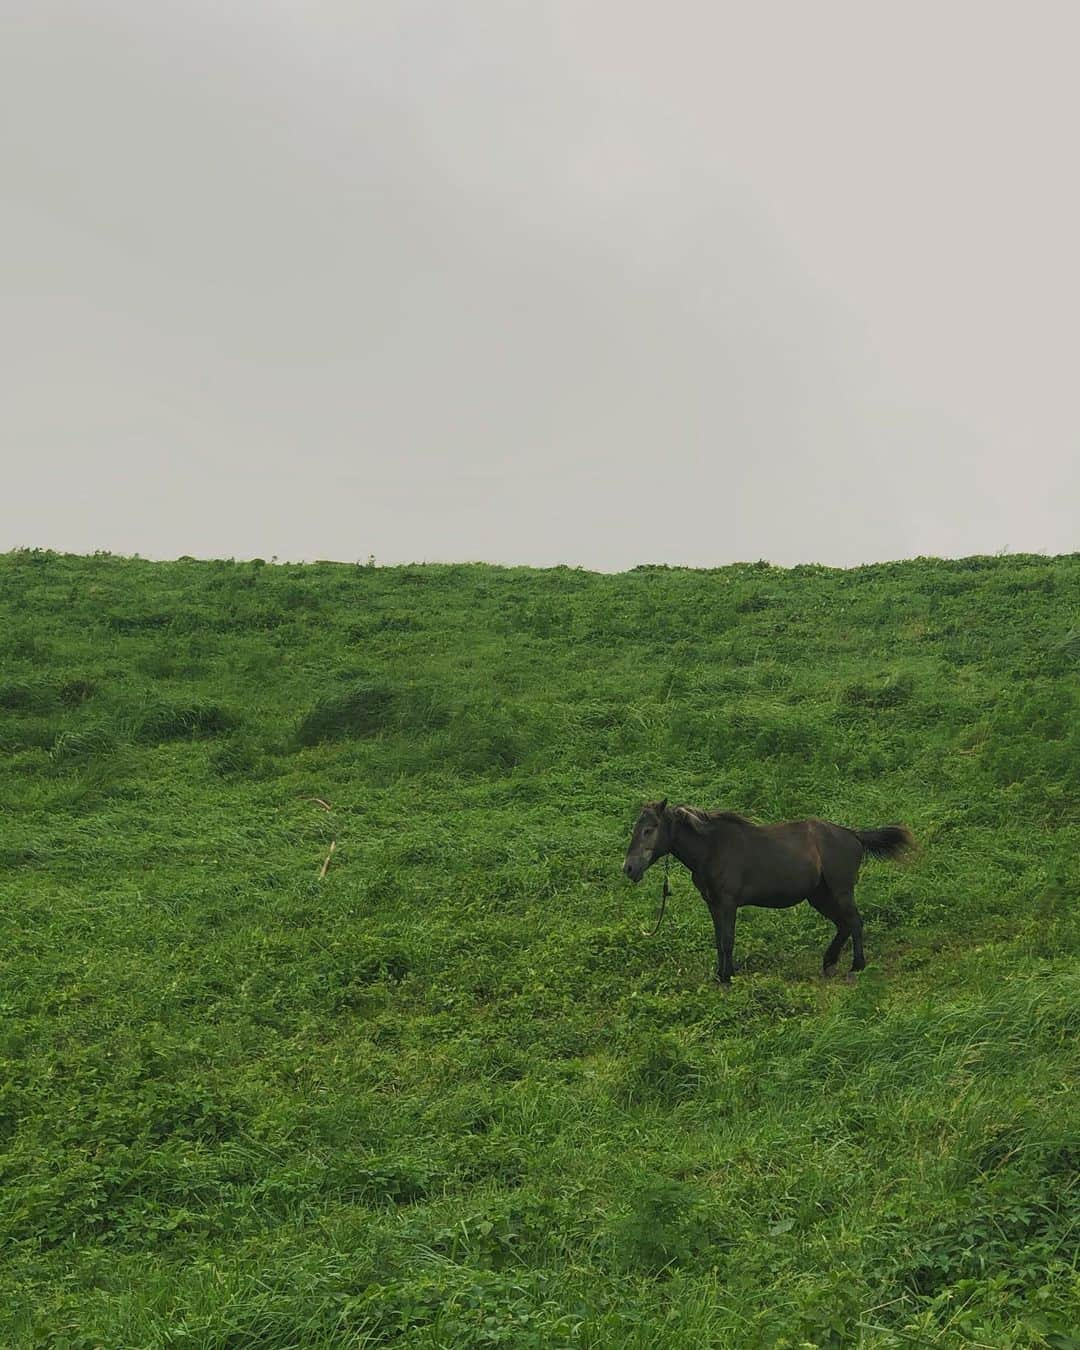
(449, 1095)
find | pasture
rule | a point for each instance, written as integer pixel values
(447, 1094)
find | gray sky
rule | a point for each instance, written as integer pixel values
(596, 283)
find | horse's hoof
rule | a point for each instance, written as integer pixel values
(829, 971)
(852, 977)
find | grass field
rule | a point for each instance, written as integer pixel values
(449, 1095)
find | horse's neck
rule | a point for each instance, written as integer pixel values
(688, 847)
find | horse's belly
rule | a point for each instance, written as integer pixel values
(776, 901)
(782, 887)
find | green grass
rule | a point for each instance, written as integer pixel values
(450, 1095)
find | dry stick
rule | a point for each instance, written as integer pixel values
(333, 842)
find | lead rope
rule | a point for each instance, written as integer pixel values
(663, 898)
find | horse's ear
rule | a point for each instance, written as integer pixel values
(661, 807)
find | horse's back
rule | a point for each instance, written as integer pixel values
(783, 863)
(810, 851)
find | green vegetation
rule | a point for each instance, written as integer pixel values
(449, 1095)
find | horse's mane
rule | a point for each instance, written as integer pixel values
(707, 821)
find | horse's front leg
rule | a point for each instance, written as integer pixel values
(723, 916)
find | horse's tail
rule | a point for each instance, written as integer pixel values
(892, 841)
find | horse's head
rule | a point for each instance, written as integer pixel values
(651, 839)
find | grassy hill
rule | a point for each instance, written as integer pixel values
(448, 1094)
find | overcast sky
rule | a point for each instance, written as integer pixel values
(541, 281)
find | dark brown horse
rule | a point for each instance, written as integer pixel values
(734, 862)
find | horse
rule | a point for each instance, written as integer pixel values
(734, 862)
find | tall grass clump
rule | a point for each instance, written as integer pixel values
(160, 721)
(364, 709)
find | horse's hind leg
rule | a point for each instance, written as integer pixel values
(833, 950)
(849, 920)
(858, 960)
(841, 910)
